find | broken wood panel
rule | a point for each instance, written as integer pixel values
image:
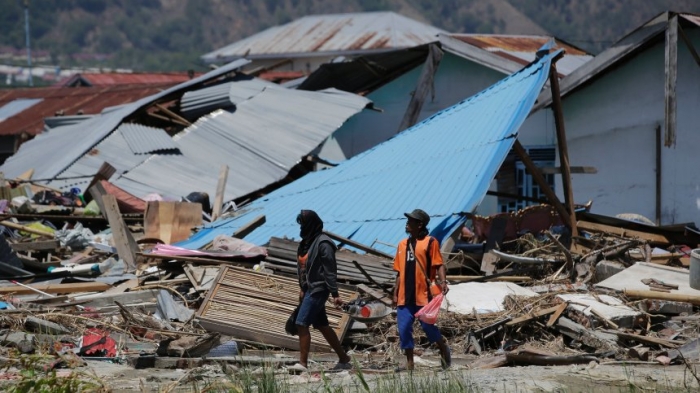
(650, 237)
(171, 222)
(123, 240)
(255, 306)
(219, 196)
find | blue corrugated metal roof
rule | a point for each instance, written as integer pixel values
(443, 165)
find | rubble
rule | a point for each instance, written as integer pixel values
(114, 290)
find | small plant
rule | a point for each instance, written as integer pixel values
(34, 379)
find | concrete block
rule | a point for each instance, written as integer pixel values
(606, 269)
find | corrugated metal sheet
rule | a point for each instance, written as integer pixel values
(16, 106)
(126, 78)
(522, 48)
(331, 34)
(115, 150)
(221, 96)
(625, 47)
(260, 142)
(63, 146)
(68, 101)
(145, 140)
(443, 165)
(60, 121)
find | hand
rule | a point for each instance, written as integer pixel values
(337, 302)
(445, 288)
(395, 301)
(301, 295)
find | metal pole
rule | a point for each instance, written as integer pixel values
(26, 32)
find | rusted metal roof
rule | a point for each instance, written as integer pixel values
(330, 35)
(124, 78)
(68, 101)
(522, 48)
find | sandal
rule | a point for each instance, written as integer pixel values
(341, 366)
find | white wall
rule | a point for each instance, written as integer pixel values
(610, 125)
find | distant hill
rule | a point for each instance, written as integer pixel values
(170, 35)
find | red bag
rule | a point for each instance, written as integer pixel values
(429, 313)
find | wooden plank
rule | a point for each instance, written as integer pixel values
(359, 246)
(425, 83)
(98, 191)
(104, 173)
(647, 339)
(562, 146)
(246, 229)
(553, 319)
(551, 170)
(23, 228)
(544, 186)
(171, 221)
(56, 288)
(671, 74)
(219, 197)
(44, 245)
(123, 240)
(675, 297)
(657, 175)
(650, 237)
(378, 295)
(536, 314)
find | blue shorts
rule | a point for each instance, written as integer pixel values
(405, 318)
(313, 310)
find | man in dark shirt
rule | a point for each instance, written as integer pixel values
(317, 269)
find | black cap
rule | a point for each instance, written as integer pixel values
(419, 215)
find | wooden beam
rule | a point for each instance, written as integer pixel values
(45, 245)
(658, 175)
(377, 295)
(357, 245)
(57, 288)
(557, 314)
(544, 186)
(168, 119)
(671, 73)
(219, 197)
(650, 237)
(123, 240)
(674, 297)
(555, 170)
(249, 227)
(425, 84)
(104, 173)
(562, 146)
(534, 315)
(27, 229)
(173, 114)
(647, 339)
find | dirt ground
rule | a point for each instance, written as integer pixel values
(593, 377)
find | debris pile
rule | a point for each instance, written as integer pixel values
(523, 291)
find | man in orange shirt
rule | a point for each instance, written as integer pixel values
(417, 261)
